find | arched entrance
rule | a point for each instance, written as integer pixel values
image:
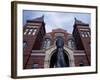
(53, 60)
(50, 53)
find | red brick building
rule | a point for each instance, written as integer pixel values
(39, 47)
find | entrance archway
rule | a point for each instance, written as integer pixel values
(53, 60)
(52, 50)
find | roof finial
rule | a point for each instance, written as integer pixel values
(75, 19)
(79, 22)
(43, 16)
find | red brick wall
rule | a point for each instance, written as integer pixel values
(80, 57)
(36, 57)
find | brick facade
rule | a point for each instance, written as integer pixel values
(36, 43)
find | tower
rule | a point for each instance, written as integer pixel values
(81, 34)
(33, 33)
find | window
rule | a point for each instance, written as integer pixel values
(46, 43)
(35, 65)
(89, 34)
(34, 31)
(86, 35)
(71, 44)
(26, 31)
(30, 31)
(82, 34)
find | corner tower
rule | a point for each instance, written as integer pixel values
(33, 33)
(82, 36)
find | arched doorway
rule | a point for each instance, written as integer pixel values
(52, 50)
(53, 60)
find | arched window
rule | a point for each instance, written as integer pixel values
(71, 44)
(46, 43)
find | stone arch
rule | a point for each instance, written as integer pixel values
(51, 51)
(53, 59)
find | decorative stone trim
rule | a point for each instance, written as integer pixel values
(52, 49)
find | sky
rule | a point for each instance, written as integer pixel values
(54, 20)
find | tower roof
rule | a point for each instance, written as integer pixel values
(39, 19)
(78, 22)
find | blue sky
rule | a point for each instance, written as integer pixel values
(53, 20)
